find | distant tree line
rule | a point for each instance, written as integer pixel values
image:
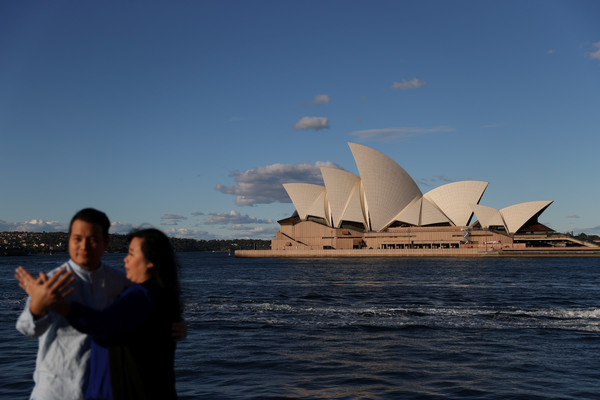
(119, 244)
(586, 238)
(23, 243)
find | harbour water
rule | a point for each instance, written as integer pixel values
(384, 328)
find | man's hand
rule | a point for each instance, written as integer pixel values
(44, 292)
(26, 280)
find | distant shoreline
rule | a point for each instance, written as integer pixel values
(24, 243)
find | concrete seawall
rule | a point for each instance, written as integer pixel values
(464, 252)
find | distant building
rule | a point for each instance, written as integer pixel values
(383, 208)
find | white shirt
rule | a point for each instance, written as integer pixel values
(64, 352)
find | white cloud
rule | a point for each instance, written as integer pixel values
(40, 225)
(5, 226)
(186, 233)
(170, 223)
(391, 134)
(121, 228)
(34, 225)
(593, 231)
(172, 219)
(588, 231)
(596, 53)
(315, 123)
(492, 126)
(435, 180)
(414, 83)
(572, 216)
(320, 99)
(234, 217)
(245, 232)
(173, 216)
(263, 185)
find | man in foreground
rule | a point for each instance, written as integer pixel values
(63, 352)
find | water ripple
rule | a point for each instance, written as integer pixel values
(368, 329)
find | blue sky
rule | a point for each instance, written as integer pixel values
(188, 115)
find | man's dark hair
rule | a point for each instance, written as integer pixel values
(94, 217)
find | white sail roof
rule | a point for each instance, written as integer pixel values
(388, 187)
(355, 210)
(517, 215)
(343, 192)
(455, 199)
(384, 193)
(488, 216)
(411, 214)
(308, 199)
(430, 214)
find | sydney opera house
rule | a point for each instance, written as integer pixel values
(383, 209)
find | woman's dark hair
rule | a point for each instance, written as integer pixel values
(157, 249)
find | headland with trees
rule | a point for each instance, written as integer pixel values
(24, 243)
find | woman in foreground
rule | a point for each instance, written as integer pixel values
(132, 338)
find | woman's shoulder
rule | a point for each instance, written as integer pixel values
(166, 300)
(139, 288)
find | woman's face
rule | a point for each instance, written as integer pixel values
(137, 267)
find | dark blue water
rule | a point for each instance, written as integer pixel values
(366, 328)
